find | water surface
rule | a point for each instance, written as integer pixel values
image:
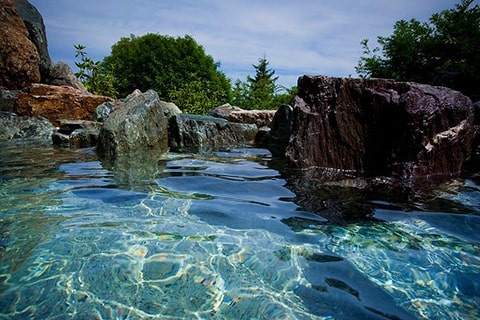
(218, 237)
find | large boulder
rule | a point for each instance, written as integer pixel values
(205, 133)
(138, 126)
(36, 33)
(54, 102)
(13, 126)
(19, 63)
(381, 127)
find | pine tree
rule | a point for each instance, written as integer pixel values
(262, 87)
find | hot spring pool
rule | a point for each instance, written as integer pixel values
(217, 237)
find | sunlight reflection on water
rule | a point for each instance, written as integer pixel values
(214, 237)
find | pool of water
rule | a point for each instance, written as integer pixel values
(219, 237)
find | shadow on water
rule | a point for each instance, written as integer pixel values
(229, 234)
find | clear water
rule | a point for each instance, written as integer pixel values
(218, 237)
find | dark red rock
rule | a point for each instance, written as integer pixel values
(380, 127)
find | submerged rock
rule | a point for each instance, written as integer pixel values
(202, 133)
(138, 125)
(380, 127)
(13, 126)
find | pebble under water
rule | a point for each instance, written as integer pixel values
(218, 236)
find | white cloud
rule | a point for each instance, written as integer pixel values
(306, 36)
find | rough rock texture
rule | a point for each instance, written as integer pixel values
(170, 109)
(204, 133)
(53, 103)
(223, 111)
(13, 126)
(281, 130)
(7, 99)
(103, 111)
(62, 75)
(139, 125)
(36, 33)
(260, 118)
(77, 133)
(19, 63)
(380, 127)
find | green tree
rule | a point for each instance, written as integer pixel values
(262, 86)
(258, 92)
(443, 51)
(177, 68)
(92, 74)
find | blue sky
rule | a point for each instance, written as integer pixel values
(320, 37)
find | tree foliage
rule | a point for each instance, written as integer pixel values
(261, 91)
(443, 51)
(92, 74)
(177, 68)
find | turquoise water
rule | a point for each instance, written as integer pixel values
(219, 237)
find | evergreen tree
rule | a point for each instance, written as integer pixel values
(257, 92)
(262, 86)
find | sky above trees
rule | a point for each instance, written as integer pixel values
(302, 37)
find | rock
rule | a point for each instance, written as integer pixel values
(193, 133)
(13, 126)
(53, 103)
(77, 133)
(223, 111)
(36, 33)
(7, 99)
(62, 75)
(19, 65)
(380, 127)
(261, 118)
(139, 125)
(103, 111)
(281, 129)
(170, 109)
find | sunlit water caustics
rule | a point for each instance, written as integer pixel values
(217, 237)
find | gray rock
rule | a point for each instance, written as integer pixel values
(62, 75)
(13, 126)
(205, 133)
(68, 126)
(170, 109)
(77, 133)
(139, 125)
(7, 99)
(223, 111)
(103, 111)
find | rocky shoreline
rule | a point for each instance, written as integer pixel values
(352, 134)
